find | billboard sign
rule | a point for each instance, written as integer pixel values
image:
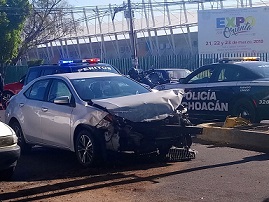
(239, 30)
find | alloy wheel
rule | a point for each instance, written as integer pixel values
(85, 149)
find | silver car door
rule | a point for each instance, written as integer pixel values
(31, 111)
(56, 118)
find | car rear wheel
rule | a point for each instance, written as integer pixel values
(25, 148)
(246, 109)
(5, 98)
(86, 148)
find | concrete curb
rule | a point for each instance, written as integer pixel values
(254, 137)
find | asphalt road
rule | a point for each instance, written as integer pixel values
(217, 174)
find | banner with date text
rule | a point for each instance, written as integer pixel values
(240, 30)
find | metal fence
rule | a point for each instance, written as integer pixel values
(13, 73)
(191, 62)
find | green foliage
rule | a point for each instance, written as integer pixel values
(13, 14)
(48, 21)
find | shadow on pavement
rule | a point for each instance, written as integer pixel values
(49, 164)
(64, 166)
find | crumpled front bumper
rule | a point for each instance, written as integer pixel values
(144, 137)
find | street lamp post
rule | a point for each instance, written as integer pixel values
(132, 36)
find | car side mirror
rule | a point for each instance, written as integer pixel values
(62, 100)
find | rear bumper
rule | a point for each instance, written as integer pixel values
(9, 157)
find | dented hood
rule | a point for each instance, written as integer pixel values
(144, 107)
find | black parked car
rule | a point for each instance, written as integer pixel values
(172, 74)
(154, 77)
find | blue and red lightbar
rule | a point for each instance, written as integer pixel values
(79, 61)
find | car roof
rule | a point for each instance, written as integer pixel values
(244, 64)
(69, 65)
(80, 75)
(241, 63)
(249, 64)
(73, 67)
(86, 64)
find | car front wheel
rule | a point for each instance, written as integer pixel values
(25, 148)
(86, 148)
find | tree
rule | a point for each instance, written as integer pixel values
(48, 21)
(12, 16)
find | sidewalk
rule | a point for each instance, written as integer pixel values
(255, 137)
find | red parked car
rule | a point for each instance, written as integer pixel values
(11, 89)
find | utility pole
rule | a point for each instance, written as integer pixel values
(132, 36)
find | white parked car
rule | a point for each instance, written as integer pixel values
(9, 151)
(91, 113)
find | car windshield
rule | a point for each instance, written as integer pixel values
(94, 68)
(108, 87)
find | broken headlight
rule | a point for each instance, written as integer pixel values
(105, 122)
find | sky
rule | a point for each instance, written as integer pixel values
(159, 13)
(79, 3)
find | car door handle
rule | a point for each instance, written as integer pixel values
(21, 104)
(44, 109)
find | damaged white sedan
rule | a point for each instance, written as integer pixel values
(93, 113)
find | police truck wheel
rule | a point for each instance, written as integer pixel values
(5, 98)
(246, 109)
(86, 148)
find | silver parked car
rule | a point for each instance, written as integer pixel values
(93, 112)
